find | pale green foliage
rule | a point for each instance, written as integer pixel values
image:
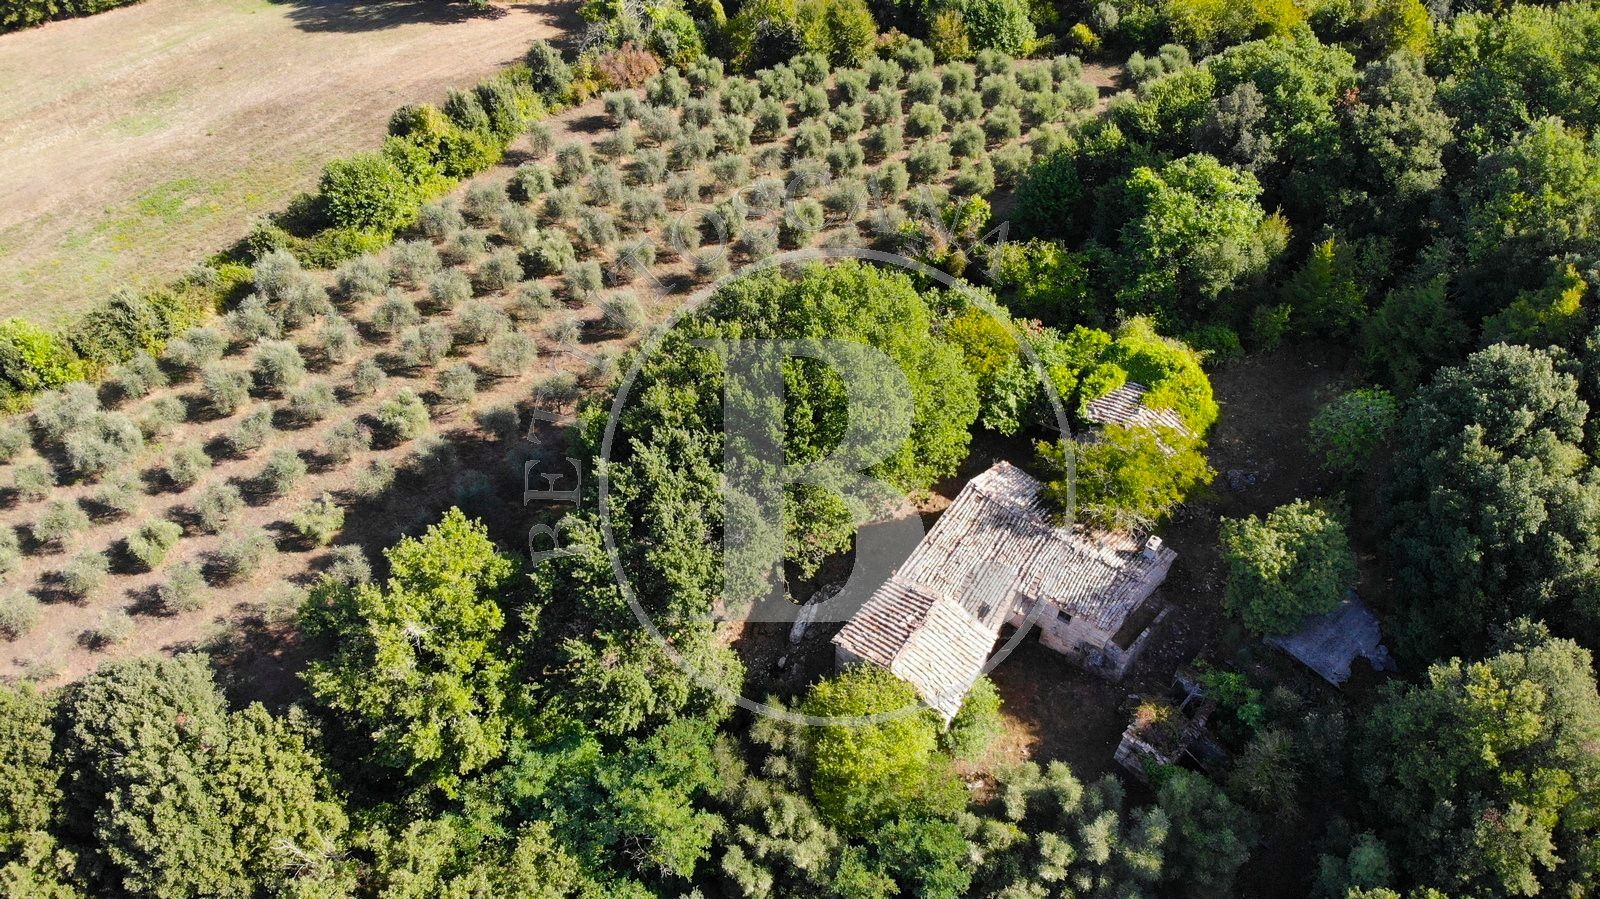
(150, 544)
(319, 520)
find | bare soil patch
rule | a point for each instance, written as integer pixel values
(140, 140)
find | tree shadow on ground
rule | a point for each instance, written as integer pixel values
(354, 16)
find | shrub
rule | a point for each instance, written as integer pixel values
(33, 480)
(61, 520)
(882, 107)
(1004, 123)
(848, 199)
(572, 164)
(759, 241)
(283, 470)
(346, 440)
(119, 495)
(395, 313)
(891, 180)
(348, 565)
(976, 179)
(519, 225)
(561, 205)
(1351, 427)
(659, 126)
(596, 230)
(250, 321)
(730, 170)
(509, 354)
(19, 614)
(151, 543)
(311, 402)
(605, 186)
(649, 167)
(84, 574)
(187, 464)
(548, 73)
(367, 378)
(811, 140)
(540, 140)
(106, 440)
(802, 219)
(56, 413)
(483, 205)
(464, 246)
(925, 120)
(770, 120)
(928, 161)
(633, 259)
(241, 555)
(13, 439)
(424, 346)
(402, 417)
(1297, 562)
(10, 549)
(114, 628)
(690, 149)
(276, 366)
(583, 280)
(362, 279)
(710, 264)
(557, 391)
(366, 191)
(438, 221)
(845, 158)
(1011, 162)
(682, 189)
(531, 302)
(250, 432)
(812, 102)
(136, 377)
(550, 254)
(500, 271)
(458, 384)
(886, 140)
(623, 313)
(336, 341)
(531, 181)
(184, 588)
(319, 521)
(966, 141)
(217, 507)
(376, 478)
(162, 415)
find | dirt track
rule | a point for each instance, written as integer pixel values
(140, 140)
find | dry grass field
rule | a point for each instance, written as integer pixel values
(139, 141)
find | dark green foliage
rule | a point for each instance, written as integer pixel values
(1351, 427)
(1211, 837)
(1449, 766)
(1297, 562)
(183, 797)
(1503, 431)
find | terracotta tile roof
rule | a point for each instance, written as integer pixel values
(1125, 406)
(991, 554)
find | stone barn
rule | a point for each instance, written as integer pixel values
(997, 558)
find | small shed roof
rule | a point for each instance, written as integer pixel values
(1125, 406)
(1330, 643)
(993, 553)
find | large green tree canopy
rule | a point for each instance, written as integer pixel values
(1486, 773)
(1495, 508)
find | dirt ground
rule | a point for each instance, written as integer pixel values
(142, 139)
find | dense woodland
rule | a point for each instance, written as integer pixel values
(1417, 185)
